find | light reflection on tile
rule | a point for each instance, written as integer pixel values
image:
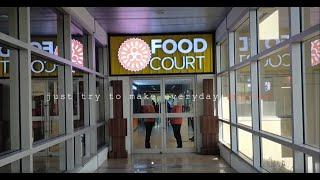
(166, 163)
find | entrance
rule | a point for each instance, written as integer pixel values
(162, 112)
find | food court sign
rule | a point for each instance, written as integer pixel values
(161, 54)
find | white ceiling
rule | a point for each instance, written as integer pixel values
(137, 20)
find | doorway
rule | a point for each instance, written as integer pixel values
(162, 115)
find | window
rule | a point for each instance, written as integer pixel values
(99, 57)
(79, 45)
(312, 164)
(80, 99)
(311, 84)
(273, 26)
(9, 21)
(99, 98)
(242, 42)
(224, 129)
(245, 143)
(311, 17)
(225, 97)
(243, 94)
(276, 158)
(276, 94)
(224, 62)
(47, 120)
(13, 167)
(50, 160)
(44, 30)
(9, 100)
(101, 136)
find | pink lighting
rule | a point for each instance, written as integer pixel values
(315, 52)
(134, 54)
(76, 50)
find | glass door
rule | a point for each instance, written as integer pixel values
(147, 124)
(179, 114)
(162, 112)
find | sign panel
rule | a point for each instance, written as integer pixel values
(161, 54)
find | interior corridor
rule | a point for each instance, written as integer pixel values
(166, 163)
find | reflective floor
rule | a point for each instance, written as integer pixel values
(166, 163)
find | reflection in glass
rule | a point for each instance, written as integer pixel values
(99, 98)
(79, 45)
(311, 83)
(9, 21)
(146, 93)
(9, 118)
(180, 132)
(224, 130)
(311, 17)
(243, 94)
(225, 98)
(13, 167)
(46, 122)
(50, 160)
(80, 98)
(275, 94)
(101, 138)
(44, 29)
(147, 132)
(242, 42)
(273, 26)
(178, 96)
(245, 143)
(312, 164)
(224, 62)
(276, 158)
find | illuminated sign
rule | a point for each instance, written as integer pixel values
(315, 52)
(161, 54)
(42, 66)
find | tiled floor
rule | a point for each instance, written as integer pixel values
(167, 163)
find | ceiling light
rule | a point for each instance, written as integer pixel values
(4, 16)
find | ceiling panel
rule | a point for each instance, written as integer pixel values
(135, 20)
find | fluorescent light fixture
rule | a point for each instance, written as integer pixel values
(4, 16)
(285, 87)
(269, 27)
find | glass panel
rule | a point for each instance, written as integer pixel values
(225, 97)
(147, 133)
(82, 149)
(51, 160)
(178, 96)
(100, 100)
(180, 132)
(9, 101)
(273, 26)
(245, 143)
(311, 83)
(146, 97)
(101, 138)
(275, 93)
(243, 94)
(13, 167)
(79, 45)
(44, 29)
(311, 16)
(99, 58)
(242, 42)
(225, 129)
(276, 158)
(312, 164)
(46, 122)
(80, 98)
(9, 21)
(224, 62)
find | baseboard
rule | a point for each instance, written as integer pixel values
(94, 163)
(235, 161)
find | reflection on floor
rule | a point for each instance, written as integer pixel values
(166, 163)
